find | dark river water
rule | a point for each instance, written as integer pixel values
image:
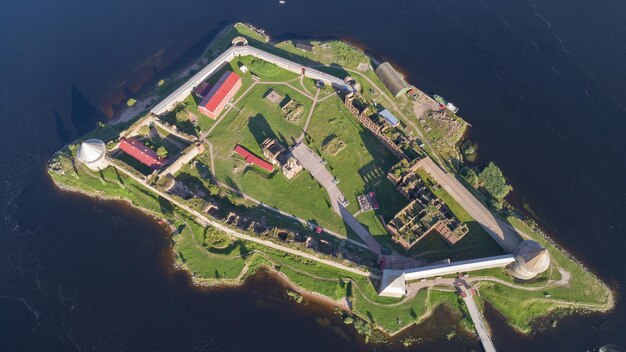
(542, 83)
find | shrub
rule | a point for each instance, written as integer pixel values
(144, 130)
(493, 181)
(161, 152)
(214, 190)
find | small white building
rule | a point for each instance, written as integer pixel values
(92, 153)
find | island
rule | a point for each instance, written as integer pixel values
(308, 160)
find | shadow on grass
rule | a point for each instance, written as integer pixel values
(165, 206)
(261, 129)
(475, 244)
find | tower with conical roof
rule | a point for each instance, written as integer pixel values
(92, 153)
(531, 259)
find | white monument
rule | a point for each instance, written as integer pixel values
(92, 153)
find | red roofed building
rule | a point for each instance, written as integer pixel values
(215, 100)
(253, 159)
(139, 151)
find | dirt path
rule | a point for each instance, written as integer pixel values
(308, 119)
(206, 221)
(393, 104)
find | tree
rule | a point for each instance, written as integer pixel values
(130, 102)
(161, 152)
(214, 190)
(493, 181)
(144, 130)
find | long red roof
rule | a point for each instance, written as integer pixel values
(220, 90)
(253, 159)
(139, 151)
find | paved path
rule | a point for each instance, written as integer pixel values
(316, 166)
(204, 220)
(504, 234)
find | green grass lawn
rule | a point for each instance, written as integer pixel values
(363, 163)
(204, 264)
(361, 166)
(523, 307)
(254, 120)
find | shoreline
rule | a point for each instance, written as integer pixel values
(236, 283)
(314, 296)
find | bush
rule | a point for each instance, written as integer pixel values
(493, 181)
(144, 130)
(214, 190)
(161, 152)
(130, 102)
(363, 328)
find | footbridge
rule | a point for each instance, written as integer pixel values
(184, 90)
(477, 319)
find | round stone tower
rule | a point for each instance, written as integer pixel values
(92, 153)
(531, 259)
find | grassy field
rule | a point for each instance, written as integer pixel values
(205, 262)
(211, 256)
(254, 120)
(584, 292)
(361, 165)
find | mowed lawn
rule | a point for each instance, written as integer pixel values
(361, 166)
(253, 120)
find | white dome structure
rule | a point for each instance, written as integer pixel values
(531, 259)
(92, 153)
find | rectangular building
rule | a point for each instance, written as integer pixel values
(216, 99)
(392, 79)
(304, 46)
(253, 159)
(139, 151)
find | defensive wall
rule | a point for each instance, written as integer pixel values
(184, 90)
(393, 283)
